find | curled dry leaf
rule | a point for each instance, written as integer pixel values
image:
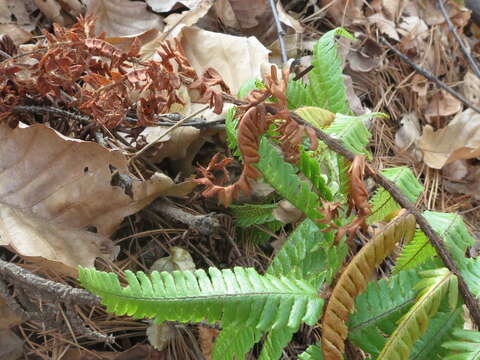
(354, 280)
(205, 49)
(111, 17)
(442, 104)
(460, 139)
(408, 134)
(52, 187)
(167, 5)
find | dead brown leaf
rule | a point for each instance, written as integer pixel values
(112, 19)
(462, 177)
(205, 49)
(8, 318)
(460, 139)
(442, 104)
(168, 5)
(286, 212)
(53, 187)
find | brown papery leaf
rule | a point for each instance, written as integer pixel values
(460, 139)
(205, 49)
(354, 280)
(53, 187)
(111, 17)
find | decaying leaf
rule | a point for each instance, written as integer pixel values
(168, 5)
(52, 244)
(408, 134)
(354, 280)
(8, 318)
(205, 49)
(460, 139)
(442, 104)
(111, 17)
(53, 187)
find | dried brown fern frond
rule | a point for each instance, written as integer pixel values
(354, 280)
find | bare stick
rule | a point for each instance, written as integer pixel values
(453, 29)
(430, 77)
(51, 289)
(280, 31)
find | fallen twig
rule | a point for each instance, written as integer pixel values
(280, 31)
(430, 77)
(204, 224)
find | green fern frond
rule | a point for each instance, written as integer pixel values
(276, 340)
(465, 347)
(470, 270)
(241, 296)
(415, 253)
(318, 117)
(327, 88)
(234, 342)
(250, 214)
(282, 176)
(298, 95)
(451, 228)
(313, 352)
(352, 132)
(310, 167)
(308, 254)
(379, 308)
(414, 324)
(231, 124)
(261, 233)
(383, 204)
(440, 329)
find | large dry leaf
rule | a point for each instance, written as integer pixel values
(123, 17)
(167, 5)
(237, 59)
(69, 181)
(48, 243)
(460, 139)
(354, 280)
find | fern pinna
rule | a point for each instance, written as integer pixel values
(412, 312)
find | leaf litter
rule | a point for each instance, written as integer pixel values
(97, 207)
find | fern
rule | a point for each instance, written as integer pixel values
(257, 235)
(466, 346)
(298, 95)
(415, 253)
(450, 227)
(313, 352)
(327, 88)
(470, 270)
(414, 324)
(282, 176)
(250, 214)
(352, 132)
(310, 167)
(316, 116)
(231, 124)
(440, 328)
(379, 308)
(308, 254)
(383, 205)
(238, 298)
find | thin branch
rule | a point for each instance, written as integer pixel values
(430, 77)
(84, 119)
(280, 31)
(453, 29)
(50, 289)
